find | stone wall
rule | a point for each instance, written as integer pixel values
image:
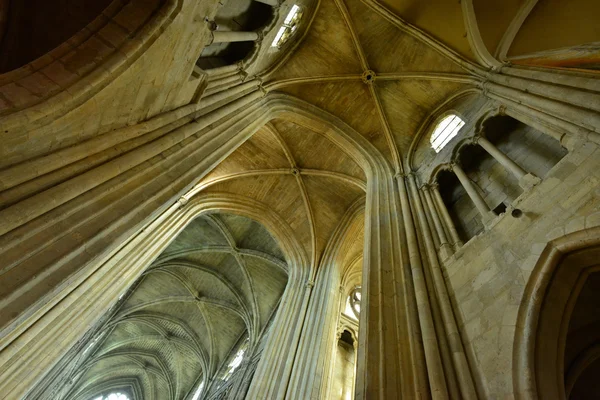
(487, 276)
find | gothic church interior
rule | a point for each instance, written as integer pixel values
(299, 199)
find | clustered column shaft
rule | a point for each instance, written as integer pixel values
(446, 215)
(437, 223)
(459, 360)
(433, 359)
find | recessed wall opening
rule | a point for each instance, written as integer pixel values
(236, 16)
(462, 211)
(533, 150)
(500, 209)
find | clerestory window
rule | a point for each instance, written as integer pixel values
(113, 396)
(290, 24)
(353, 303)
(445, 131)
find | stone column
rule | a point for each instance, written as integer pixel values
(233, 36)
(526, 180)
(459, 359)
(476, 198)
(457, 243)
(445, 250)
(435, 370)
(274, 370)
(387, 367)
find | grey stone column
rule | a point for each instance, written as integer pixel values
(445, 250)
(233, 36)
(459, 359)
(484, 210)
(446, 215)
(387, 366)
(526, 180)
(435, 370)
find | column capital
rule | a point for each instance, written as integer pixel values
(476, 137)
(434, 185)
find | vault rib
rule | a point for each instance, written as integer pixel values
(513, 29)
(252, 328)
(286, 150)
(304, 194)
(311, 222)
(475, 40)
(269, 87)
(314, 172)
(425, 38)
(182, 325)
(358, 47)
(225, 249)
(387, 131)
(207, 270)
(429, 76)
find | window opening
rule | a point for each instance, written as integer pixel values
(290, 25)
(353, 303)
(500, 209)
(113, 396)
(235, 362)
(198, 391)
(446, 130)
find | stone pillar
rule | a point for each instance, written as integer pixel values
(476, 198)
(445, 250)
(274, 369)
(526, 180)
(387, 367)
(435, 370)
(459, 359)
(456, 242)
(233, 36)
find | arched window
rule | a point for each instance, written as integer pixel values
(445, 131)
(290, 24)
(113, 396)
(353, 303)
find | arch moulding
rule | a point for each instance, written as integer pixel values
(544, 313)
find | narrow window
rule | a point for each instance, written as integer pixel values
(445, 131)
(353, 303)
(290, 24)
(198, 391)
(113, 396)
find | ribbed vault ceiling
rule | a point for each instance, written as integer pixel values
(222, 276)
(299, 174)
(350, 39)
